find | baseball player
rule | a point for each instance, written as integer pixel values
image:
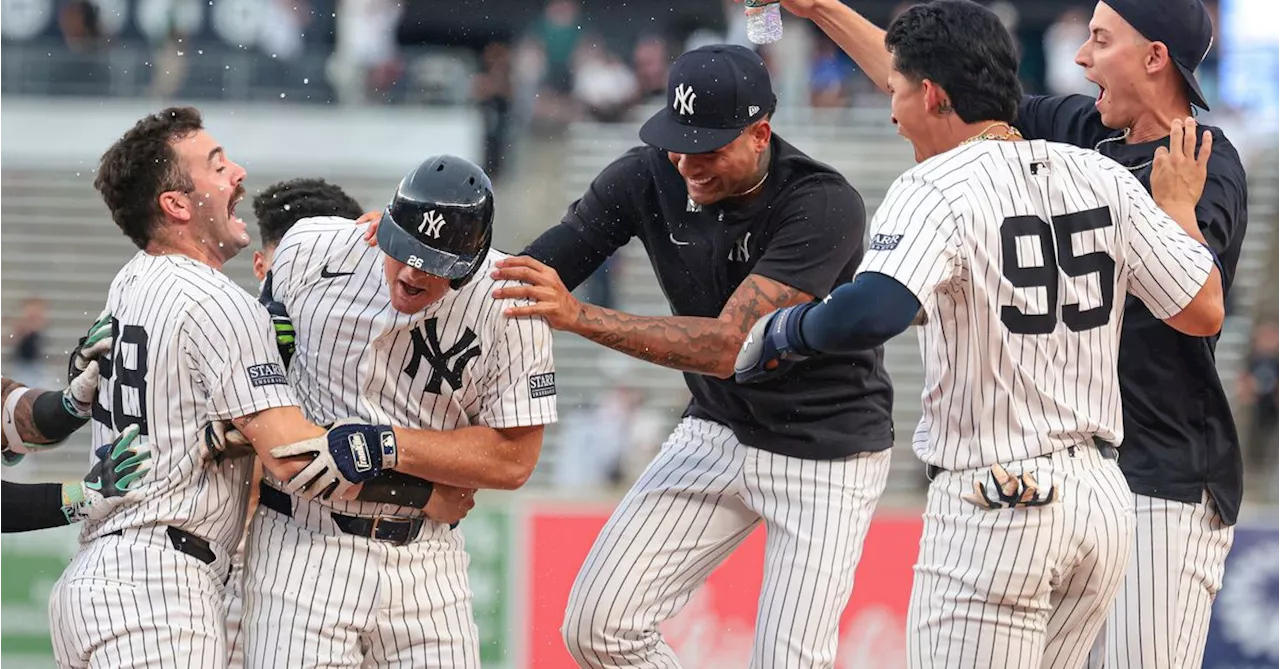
(1016, 254)
(189, 349)
(1181, 455)
(406, 333)
(276, 209)
(737, 222)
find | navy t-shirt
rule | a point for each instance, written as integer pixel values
(805, 229)
(1179, 435)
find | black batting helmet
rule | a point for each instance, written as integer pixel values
(441, 219)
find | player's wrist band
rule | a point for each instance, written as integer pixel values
(10, 424)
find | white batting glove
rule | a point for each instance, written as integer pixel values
(350, 452)
(321, 477)
(77, 399)
(96, 343)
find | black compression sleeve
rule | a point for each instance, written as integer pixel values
(392, 487)
(31, 506)
(51, 417)
(567, 252)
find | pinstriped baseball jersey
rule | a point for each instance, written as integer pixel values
(459, 363)
(1021, 254)
(190, 347)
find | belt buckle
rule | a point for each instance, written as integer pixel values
(377, 526)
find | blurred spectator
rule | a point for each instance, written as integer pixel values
(169, 72)
(608, 443)
(831, 75)
(1257, 393)
(651, 59)
(365, 64)
(84, 72)
(492, 91)
(1061, 42)
(557, 32)
(545, 62)
(283, 24)
(602, 83)
(26, 340)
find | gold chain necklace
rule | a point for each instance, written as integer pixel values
(1010, 134)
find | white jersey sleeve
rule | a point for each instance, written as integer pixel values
(522, 385)
(232, 348)
(914, 239)
(1166, 267)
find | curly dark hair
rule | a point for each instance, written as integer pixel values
(282, 204)
(140, 166)
(961, 46)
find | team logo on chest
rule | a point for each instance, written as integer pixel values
(427, 346)
(741, 251)
(431, 225)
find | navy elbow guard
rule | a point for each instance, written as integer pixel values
(53, 418)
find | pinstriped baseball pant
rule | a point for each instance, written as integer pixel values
(1020, 588)
(698, 500)
(134, 601)
(316, 597)
(1161, 616)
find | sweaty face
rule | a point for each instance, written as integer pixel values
(731, 170)
(910, 113)
(211, 204)
(412, 290)
(1114, 58)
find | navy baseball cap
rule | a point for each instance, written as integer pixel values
(713, 93)
(1181, 25)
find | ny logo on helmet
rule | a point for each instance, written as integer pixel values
(683, 103)
(431, 224)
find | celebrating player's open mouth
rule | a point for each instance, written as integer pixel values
(412, 290)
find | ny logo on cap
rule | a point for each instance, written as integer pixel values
(684, 100)
(431, 224)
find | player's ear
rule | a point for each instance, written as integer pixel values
(259, 265)
(936, 100)
(1156, 57)
(176, 205)
(761, 131)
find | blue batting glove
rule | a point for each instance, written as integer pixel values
(773, 346)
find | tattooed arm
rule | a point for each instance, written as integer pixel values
(687, 343)
(21, 414)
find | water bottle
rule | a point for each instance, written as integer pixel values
(764, 21)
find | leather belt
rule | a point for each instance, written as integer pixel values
(395, 531)
(1104, 448)
(185, 542)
